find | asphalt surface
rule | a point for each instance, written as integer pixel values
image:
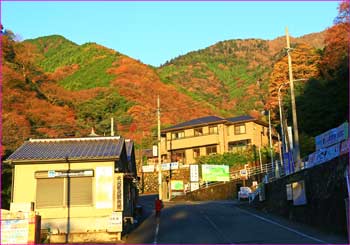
(219, 222)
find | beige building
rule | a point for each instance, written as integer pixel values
(83, 188)
(186, 141)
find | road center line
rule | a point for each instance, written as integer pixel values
(285, 227)
(217, 229)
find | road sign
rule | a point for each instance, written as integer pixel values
(243, 173)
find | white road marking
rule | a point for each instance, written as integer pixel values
(217, 229)
(285, 227)
(156, 234)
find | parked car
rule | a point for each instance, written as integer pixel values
(244, 193)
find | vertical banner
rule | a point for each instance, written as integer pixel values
(155, 150)
(104, 187)
(290, 137)
(194, 173)
(119, 192)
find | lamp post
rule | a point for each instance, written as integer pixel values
(270, 137)
(281, 118)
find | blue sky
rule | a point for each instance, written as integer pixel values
(155, 32)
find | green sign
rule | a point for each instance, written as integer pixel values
(215, 173)
(177, 185)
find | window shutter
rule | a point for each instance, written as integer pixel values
(49, 192)
(81, 191)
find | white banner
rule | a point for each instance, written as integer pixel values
(148, 169)
(155, 150)
(194, 186)
(194, 173)
(170, 165)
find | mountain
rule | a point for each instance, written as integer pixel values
(54, 87)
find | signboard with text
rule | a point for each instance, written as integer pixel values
(194, 173)
(298, 192)
(215, 172)
(170, 165)
(148, 169)
(115, 222)
(177, 185)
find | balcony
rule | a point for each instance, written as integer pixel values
(192, 141)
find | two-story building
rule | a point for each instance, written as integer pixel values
(186, 141)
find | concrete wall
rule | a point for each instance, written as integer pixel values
(326, 190)
(220, 191)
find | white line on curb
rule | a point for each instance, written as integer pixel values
(285, 227)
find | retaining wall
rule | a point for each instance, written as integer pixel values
(325, 189)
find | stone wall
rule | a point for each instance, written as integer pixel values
(325, 189)
(221, 191)
(149, 181)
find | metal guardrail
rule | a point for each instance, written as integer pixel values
(268, 169)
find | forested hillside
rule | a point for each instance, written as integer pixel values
(53, 87)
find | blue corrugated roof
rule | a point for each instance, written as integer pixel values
(210, 119)
(197, 121)
(240, 118)
(73, 148)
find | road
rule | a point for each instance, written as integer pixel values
(219, 222)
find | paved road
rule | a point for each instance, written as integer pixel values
(219, 222)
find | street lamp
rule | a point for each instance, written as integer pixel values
(281, 119)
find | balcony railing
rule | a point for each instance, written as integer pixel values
(192, 136)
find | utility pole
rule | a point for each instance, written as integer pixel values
(159, 157)
(296, 149)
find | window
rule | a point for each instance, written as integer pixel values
(196, 152)
(198, 131)
(178, 135)
(211, 150)
(239, 146)
(213, 130)
(240, 129)
(180, 156)
(52, 192)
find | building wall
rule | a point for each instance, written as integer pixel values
(25, 188)
(83, 218)
(256, 133)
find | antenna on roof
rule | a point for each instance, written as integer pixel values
(112, 126)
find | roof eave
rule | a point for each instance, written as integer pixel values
(29, 161)
(193, 126)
